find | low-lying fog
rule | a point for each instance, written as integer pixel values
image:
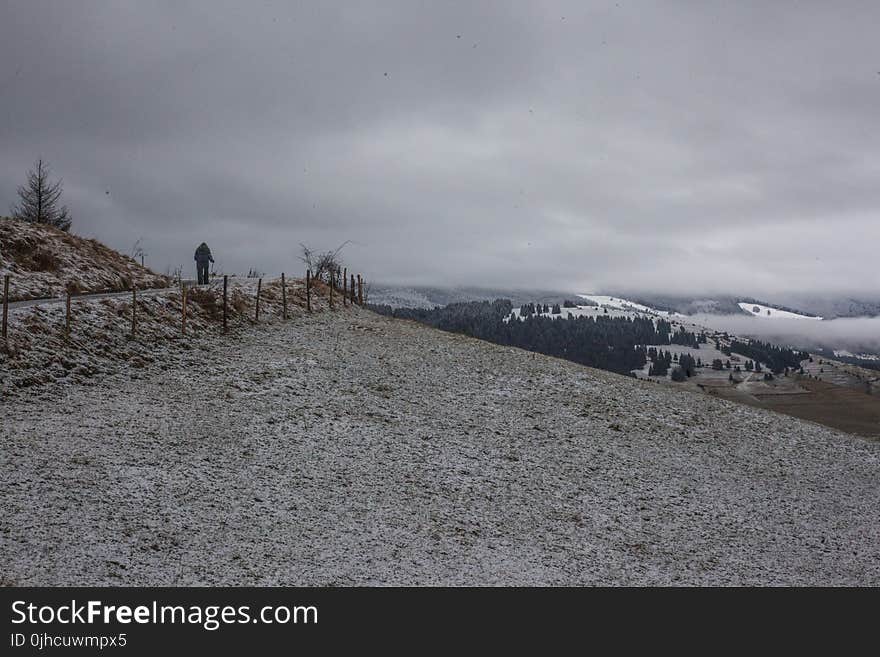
(855, 334)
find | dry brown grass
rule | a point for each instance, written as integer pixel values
(17, 247)
(239, 302)
(207, 300)
(44, 260)
(834, 406)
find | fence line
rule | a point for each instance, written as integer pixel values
(5, 303)
(133, 313)
(225, 304)
(257, 312)
(183, 297)
(347, 292)
(67, 317)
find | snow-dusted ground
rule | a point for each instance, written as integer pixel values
(620, 310)
(618, 303)
(845, 353)
(398, 297)
(706, 353)
(347, 448)
(769, 312)
(45, 262)
(39, 353)
(579, 311)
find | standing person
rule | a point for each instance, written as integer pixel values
(203, 257)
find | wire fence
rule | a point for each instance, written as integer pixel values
(341, 291)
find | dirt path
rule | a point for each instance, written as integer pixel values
(30, 303)
(346, 448)
(125, 294)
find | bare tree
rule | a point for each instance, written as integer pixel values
(322, 265)
(176, 274)
(38, 199)
(137, 250)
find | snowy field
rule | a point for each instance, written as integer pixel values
(617, 303)
(582, 311)
(769, 312)
(706, 354)
(346, 448)
(620, 309)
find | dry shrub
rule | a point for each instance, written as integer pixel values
(239, 303)
(68, 239)
(320, 288)
(43, 260)
(20, 249)
(207, 300)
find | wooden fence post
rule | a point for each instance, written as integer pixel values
(331, 290)
(133, 312)
(67, 316)
(352, 289)
(309, 290)
(360, 291)
(344, 286)
(182, 308)
(225, 304)
(5, 304)
(257, 314)
(283, 297)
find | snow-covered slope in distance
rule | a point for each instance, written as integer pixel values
(625, 304)
(769, 312)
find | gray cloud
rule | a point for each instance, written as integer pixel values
(727, 147)
(858, 334)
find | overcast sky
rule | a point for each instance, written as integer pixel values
(676, 146)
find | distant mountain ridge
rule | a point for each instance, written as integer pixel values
(810, 305)
(801, 304)
(401, 296)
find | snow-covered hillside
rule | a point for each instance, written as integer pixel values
(605, 301)
(579, 311)
(769, 312)
(849, 354)
(45, 262)
(399, 297)
(39, 353)
(346, 448)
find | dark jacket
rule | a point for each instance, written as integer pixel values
(203, 254)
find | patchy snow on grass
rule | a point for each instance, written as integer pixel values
(45, 262)
(397, 297)
(625, 304)
(346, 448)
(769, 312)
(580, 311)
(39, 352)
